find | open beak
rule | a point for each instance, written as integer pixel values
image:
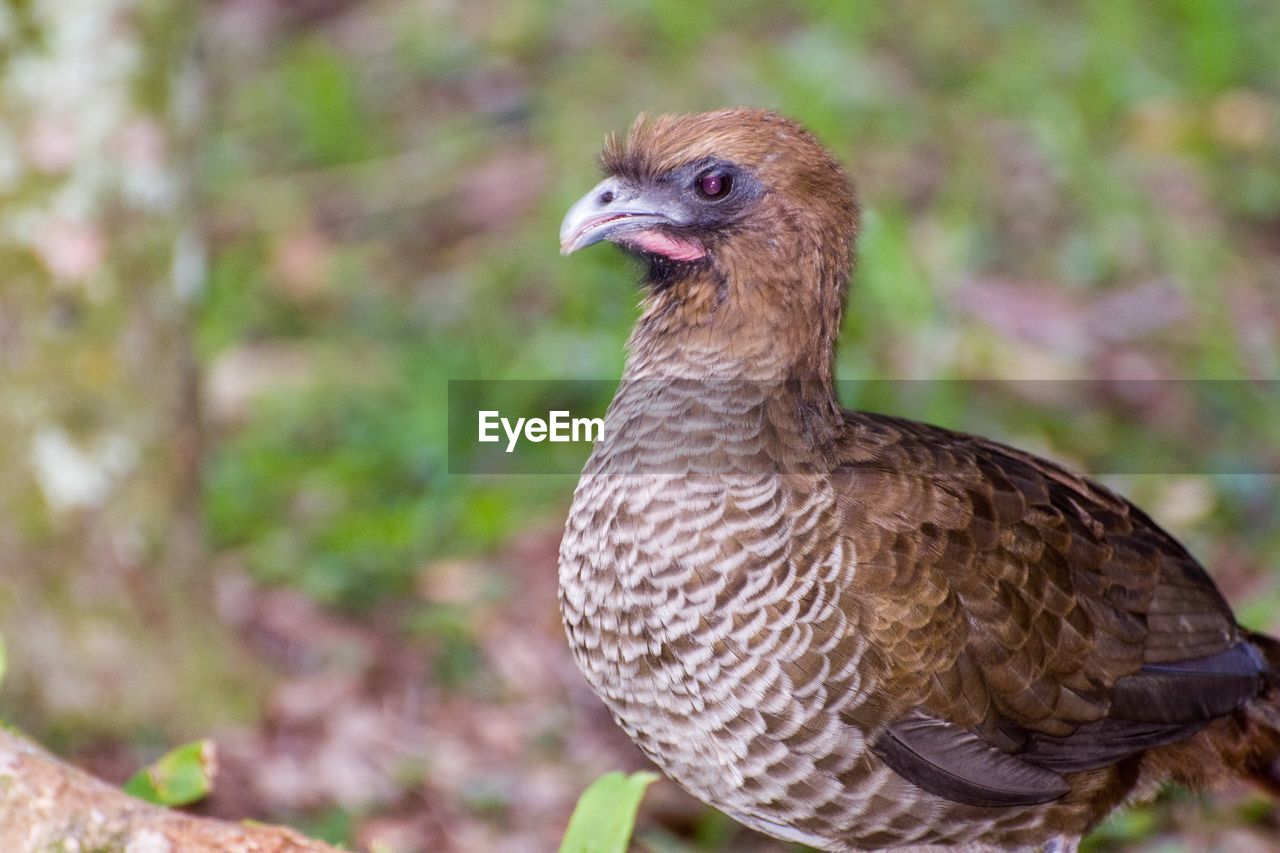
(611, 211)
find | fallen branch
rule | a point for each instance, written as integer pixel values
(46, 804)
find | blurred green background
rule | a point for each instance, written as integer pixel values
(1050, 192)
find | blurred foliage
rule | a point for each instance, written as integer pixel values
(182, 776)
(387, 187)
(606, 814)
(1050, 191)
(1128, 826)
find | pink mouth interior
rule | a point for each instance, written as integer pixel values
(667, 245)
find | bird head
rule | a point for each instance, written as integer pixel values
(690, 188)
(741, 216)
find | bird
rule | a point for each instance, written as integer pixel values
(846, 629)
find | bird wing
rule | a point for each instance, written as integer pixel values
(1024, 613)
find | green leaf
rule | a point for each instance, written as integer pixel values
(606, 813)
(4, 661)
(182, 776)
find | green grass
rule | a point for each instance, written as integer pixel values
(927, 104)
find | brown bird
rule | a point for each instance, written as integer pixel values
(852, 630)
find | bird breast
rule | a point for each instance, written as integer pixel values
(705, 593)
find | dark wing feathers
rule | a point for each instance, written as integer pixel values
(1091, 633)
(1190, 691)
(1099, 744)
(955, 763)
(1158, 705)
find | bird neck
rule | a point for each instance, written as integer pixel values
(732, 326)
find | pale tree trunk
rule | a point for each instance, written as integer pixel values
(103, 604)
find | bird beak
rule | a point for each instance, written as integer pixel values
(611, 211)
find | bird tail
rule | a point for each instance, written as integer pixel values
(1260, 760)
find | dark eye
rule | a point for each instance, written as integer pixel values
(713, 185)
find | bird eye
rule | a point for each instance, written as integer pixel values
(713, 185)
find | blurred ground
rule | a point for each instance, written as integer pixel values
(1049, 194)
